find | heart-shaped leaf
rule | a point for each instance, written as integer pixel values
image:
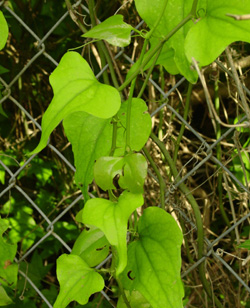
(4, 30)
(114, 30)
(112, 219)
(76, 89)
(132, 171)
(175, 12)
(92, 246)
(8, 270)
(77, 280)
(154, 261)
(91, 138)
(216, 30)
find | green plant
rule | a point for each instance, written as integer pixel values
(107, 133)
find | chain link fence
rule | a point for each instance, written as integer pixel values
(197, 160)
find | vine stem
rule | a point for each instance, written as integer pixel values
(152, 52)
(160, 178)
(197, 214)
(103, 52)
(186, 110)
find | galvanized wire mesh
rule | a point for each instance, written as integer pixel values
(205, 153)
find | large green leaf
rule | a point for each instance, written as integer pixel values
(112, 218)
(4, 30)
(76, 89)
(215, 31)
(77, 280)
(114, 30)
(140, 126)
(132, 171)
(8, 270)
(92, 246)
(154, 261)
(175, 12)
(91, 138)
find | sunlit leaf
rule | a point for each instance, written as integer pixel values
(77, 280)
(154, 261)
(173, 50)
(76, 89)
(4, 30)
(132, 171)
(91, 138)
(215, 31)
(112, 218)
(114, 30)
(92, 246)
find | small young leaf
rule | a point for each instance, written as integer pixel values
(246, 245)
(92, 246)
(131, 168)
(154, 261)
(134, 173)
(105, 169)
(216, 30)
(112, 218)
(114, 30)
(77, 280)
(8, 270)
(76, 89)
(91, 138)
(4, 30)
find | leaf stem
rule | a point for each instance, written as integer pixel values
(152, 52)
(123, 293)
(159, 176)
(186, 110)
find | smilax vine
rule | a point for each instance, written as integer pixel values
(108, 131)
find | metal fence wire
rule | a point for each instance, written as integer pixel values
(198, 159)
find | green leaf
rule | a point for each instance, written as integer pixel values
(4, 298)
(154, 261)
(175, 12)
(132, 171)
(77, 281)
(105, 169)
(4, 30)
(76, 89)
(135, 299)
(246, 245)
(91, 138)
(8, 271)
(215, 31)
(140, 126)
(92, 246)
(114, 30)
(112, 218)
